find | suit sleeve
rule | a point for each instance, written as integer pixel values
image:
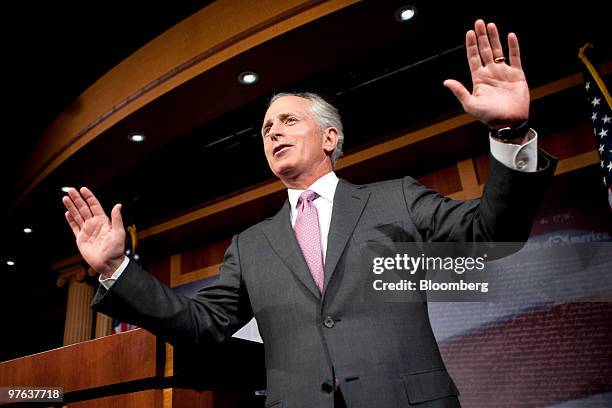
(504, 213)
(214, 313)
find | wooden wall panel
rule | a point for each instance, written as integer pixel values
(147, 398)
(445, 181)
(569, 142)
(211, 254)
(160, 269)
(481, 165)
(182, 397)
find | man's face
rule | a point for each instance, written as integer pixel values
(293, 142)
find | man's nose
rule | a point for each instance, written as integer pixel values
(276, 132)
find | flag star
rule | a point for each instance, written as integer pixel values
(594, 116)
(601, 163)
(601, 149)
(606, 119)
(609, 166)
(587, 86)
(595, 101)
(604, 132)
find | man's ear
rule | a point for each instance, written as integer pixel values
(330, 139)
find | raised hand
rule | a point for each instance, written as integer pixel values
(500, 95)
(101, 241)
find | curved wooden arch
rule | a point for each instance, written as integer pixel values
(204, 40)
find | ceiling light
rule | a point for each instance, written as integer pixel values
(10, 263)
(136, 137)
(27, 230)
(405, 13)
(248, 78)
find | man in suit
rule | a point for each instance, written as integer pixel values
(298, 272)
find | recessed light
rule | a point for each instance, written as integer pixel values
(27, 230)
(248, 78)
(405, 13)
(65, 189)
(137, 137)
(10, 263)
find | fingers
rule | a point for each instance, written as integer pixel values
(73, 225)
(484, 46)
(471, 47)
(116, 219)
(496, 47)
(459, 91)
(80, 204)
(513, 51)
(74, 212)
(92, 201)
(79, 209)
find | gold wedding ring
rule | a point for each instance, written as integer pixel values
(499, 59)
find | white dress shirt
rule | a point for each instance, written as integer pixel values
(518, 157)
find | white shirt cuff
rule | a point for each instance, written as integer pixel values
(108, 282)
(517, 157)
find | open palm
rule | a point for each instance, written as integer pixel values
(100, 240)
(500, 94)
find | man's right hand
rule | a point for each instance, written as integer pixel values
(101, 241)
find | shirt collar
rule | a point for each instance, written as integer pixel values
(325, 187)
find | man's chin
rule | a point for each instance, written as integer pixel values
(284, 170)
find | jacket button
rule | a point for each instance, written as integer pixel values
(327, 387)
(328, 322)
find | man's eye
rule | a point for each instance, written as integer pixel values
(291, 120)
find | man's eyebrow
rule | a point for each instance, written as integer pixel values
(266, 123)
(281, 116)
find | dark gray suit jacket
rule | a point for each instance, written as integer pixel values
(383, 354)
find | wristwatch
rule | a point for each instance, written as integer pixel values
(511, 132)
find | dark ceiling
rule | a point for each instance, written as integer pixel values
(385, 77)
(53, 51)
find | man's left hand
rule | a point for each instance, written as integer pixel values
(500, 95)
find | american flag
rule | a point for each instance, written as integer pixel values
(600, 104)
(121, 327)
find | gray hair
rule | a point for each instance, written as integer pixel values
(324, 113)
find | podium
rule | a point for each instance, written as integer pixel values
(132, 370)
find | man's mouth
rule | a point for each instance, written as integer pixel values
(280, 148)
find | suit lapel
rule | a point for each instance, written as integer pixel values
(349, 201)
(281, 236)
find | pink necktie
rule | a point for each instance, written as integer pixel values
(308, 235)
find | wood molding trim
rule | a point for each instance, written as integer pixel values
(168, 372)
(217, 207)
(567, 165)
(577, 162)
(178, 278)
(468, 177)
